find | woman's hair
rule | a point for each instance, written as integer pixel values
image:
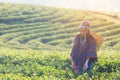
(88, 37)
(86, 24)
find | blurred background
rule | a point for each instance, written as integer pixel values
(103, 5)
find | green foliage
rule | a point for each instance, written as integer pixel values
(44, 37)
(30, 64)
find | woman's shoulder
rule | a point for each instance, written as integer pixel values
(92, 40)
(77, 34)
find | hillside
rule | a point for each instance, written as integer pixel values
(35, 43)
(40, 27)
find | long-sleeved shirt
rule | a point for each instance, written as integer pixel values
(80, 52)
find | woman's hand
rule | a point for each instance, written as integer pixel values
(73, 65)
(86, 64)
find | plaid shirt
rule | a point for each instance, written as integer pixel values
(80, 52)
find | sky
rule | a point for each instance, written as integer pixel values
(100, 5)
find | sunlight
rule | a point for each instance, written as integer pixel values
(104, 5)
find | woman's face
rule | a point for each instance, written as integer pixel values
(83, 31)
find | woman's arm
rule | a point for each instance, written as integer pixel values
(74, 48)
(91, 52)
(86, 64)
(87, 60)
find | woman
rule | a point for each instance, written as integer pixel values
(83, 53)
